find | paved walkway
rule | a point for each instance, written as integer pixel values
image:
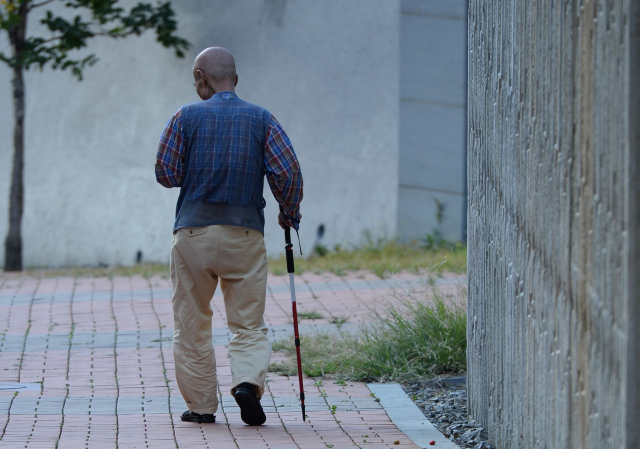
(94, 362)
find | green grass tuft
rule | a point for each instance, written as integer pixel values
(418, 337)
(312, 315)
(339, 320)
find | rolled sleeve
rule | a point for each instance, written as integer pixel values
(283, 174)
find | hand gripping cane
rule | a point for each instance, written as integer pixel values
(290, 269)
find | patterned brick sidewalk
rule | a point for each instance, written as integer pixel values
(94, 357)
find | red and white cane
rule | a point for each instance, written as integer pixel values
(291, 270)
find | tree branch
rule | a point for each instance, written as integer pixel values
(33, 6)
(55, 38)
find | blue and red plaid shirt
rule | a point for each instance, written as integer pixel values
(218, 152)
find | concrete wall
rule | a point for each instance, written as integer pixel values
(433, 109)
(327, 70)
(633, 212)
(553, 165)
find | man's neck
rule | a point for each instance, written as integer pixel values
(223, 88)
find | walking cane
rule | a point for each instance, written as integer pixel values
(290, 270)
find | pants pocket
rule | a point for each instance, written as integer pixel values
(193, 231)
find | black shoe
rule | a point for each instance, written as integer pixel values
(250, 409)
(196, 417)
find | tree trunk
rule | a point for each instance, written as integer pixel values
(13, 242)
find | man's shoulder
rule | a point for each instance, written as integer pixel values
(191, 107)
(247, 108)
(220, 105)
(253, 106)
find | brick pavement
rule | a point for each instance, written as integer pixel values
(94, 357)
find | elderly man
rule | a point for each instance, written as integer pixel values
(218, 152)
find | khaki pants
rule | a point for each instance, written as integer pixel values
(199, 258)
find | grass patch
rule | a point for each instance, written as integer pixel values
(312, 315)
(418, 337)
(382, 258)
(322, 353)
(146, 270)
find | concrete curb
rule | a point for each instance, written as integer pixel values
(407, 417)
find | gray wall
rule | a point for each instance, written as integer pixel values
(327, 70)
(553, 222)
(633, 211)
(433, 100)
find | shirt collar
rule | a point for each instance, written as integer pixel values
(227, 95)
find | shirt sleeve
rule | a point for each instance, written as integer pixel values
(170, 157)
(283, 173)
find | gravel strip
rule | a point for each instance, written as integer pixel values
(444, 403)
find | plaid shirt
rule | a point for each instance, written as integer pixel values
(209, 150)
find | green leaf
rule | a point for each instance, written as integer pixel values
(107, 19)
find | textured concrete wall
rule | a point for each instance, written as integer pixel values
(633, 206)
(433, 108)
(553, 222)
(327, 70)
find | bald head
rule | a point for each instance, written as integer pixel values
(217, 63)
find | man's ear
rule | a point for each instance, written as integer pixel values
(199, 73)
(236, 83)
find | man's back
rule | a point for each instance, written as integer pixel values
(218, 152)
(224, 163)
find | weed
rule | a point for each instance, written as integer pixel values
(439, 210)
(434, 240)
(320, 250)
(333, 409)
(414, 339)
(280, 345)
(157, 340)
(312, 315)
(420, 336)
(284, 368)
(339, 320)
(383, 257)
(322, 353)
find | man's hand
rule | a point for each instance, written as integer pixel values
(284, 221)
